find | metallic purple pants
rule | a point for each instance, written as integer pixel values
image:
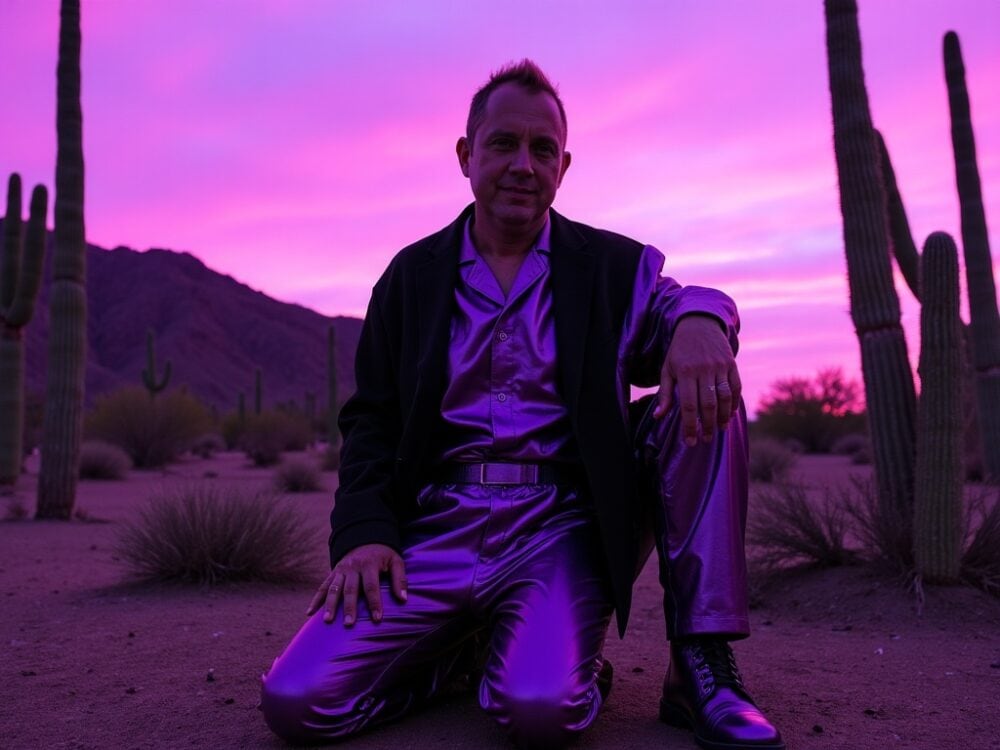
(522, 564)
(698, 501)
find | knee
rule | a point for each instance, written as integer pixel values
(538, 715)
(286, 701)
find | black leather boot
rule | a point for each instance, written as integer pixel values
(703, 691)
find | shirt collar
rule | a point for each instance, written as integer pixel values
(468, 253)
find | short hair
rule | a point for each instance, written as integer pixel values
(525, 73)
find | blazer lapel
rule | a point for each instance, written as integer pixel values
(573, 268)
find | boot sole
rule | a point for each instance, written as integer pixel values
(675, 716)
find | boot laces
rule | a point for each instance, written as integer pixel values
(716, 664)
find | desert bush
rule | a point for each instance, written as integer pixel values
(298, 475)
(331, 458)
(266, 435)
(814, 412)
(231, 429)
(206, 534)
(208, 445)
(101, 460)
(848, 445)
(16, 509)
(769, 460)
(878, 530)
(981, 559)
(152, 431)
(786, 527)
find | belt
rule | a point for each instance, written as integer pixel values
(508, 473)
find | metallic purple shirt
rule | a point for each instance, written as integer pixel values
(502, 400)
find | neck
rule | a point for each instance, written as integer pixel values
(504, 241)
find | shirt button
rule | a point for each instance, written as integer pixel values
(502, 336)
(501, 397)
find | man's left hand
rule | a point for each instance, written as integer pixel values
(701, 365)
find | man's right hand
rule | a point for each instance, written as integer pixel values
(360, 569)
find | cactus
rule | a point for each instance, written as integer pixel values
(937, 525)
(984, 316)
(903, 246)
(67, 359)
(333, 430)
(20, 278)
(889, 389)
(257, 392)
(149, 374)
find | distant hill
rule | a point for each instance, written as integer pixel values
(214, 330)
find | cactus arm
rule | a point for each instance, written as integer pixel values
(937, 523)
(30, 277)
(149, 374)
(903, 246)
(11, 258)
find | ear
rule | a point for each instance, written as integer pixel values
(463, 148)
(567, 158)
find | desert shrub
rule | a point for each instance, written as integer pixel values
(206, 534)
(815, 412)
(208, 445)
(231, 429)
(16, 509)
(101, 460)
(848, 445)
(786, 526)
(331, 458)
(981, 559)
(769, 460)
(298, 475)
(152, 431)
(266, 435)
(883, 534)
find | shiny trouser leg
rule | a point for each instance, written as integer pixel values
(697, 497)
(521, 564)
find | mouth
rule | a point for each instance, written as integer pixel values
(518, 190)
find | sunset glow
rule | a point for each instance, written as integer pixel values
(298, 145)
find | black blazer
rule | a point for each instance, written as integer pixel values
(389, 424)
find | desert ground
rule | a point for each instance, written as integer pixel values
(839, 658)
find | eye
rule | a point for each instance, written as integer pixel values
(546, 149)
(503, 142)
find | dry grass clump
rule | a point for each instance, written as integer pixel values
(266, 435)
(298, 475)
(331, 458)
(770, 461)
(102, 460)
(208, 445)
(206, 534)
(152, 431)
(787, 527)
(981, 560)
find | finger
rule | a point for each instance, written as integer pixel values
(373, 592)
(709, 409)
(665, 396)
(397, 577)
(687, 394)
(320, 596)
(724, 398)
(736, 386)
(351, 598)
(333, 597)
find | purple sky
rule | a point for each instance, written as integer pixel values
(298, 144)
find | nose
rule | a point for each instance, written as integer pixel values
(521, 161)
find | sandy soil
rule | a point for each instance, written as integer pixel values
(839, 658)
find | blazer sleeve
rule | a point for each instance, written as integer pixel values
(658, 304)
(371, 425)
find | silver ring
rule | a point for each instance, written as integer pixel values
(723, 384)
(711, 387)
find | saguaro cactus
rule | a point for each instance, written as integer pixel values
(333, 429)
(938, 498)
(983, 313)
(889, 389)
(20, 278)
(68, 295)
(153, 385)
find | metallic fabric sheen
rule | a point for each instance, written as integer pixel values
(521, 564)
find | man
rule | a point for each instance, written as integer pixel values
(489, 468)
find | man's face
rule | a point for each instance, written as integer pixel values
(515, 162)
